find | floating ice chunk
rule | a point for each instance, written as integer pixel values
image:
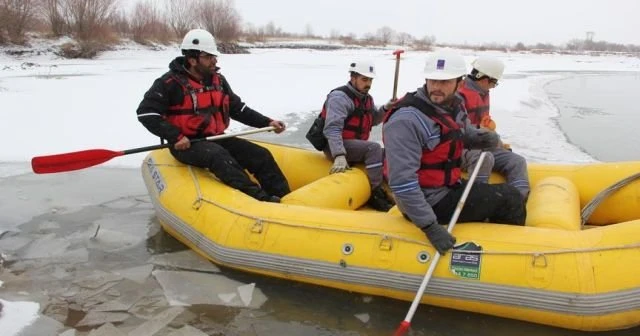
(187, 331)
(57, 309)
(156, 323)
(13, 243)
(186, 259)
(45, 247)
(49, 225)
(94, 318)
(246, 293)
(138, 274)
(148, 306)
(362, 317)
(107, 330)
(112, 240)
(70, 332)
(43, 326)
(200, 288)
(367, 299)
(97, 279)
(128, 293)
(228, 297)
(16, 316)
(122, 203)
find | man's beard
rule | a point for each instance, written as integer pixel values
(203, 70)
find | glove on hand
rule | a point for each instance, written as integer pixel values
(339, 165)
(439, 237)
(486, 139)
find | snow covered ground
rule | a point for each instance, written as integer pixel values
(53, 105)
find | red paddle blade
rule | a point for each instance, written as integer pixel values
(403, 328)
(71, 161)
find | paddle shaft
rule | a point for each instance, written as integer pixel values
(210, 138)
(395, 77)
(404, 326)
(88, 158)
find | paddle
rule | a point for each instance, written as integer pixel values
(403, 328)
(395, 77)
(88, 158)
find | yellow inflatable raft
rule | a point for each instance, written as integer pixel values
(552, 271)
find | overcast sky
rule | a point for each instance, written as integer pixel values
(454, 21)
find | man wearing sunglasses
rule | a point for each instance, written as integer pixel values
(193, 100)
(484, 76)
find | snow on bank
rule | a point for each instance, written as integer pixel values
(56, 105)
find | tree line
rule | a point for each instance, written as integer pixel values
(95, 24)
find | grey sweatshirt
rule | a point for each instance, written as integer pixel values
(405, 134)
(338, 106)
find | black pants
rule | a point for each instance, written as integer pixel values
(499, 203)
(227, 159)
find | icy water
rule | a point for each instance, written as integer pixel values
(92, 254)
(598, 113)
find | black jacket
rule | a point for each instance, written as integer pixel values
(164, 93)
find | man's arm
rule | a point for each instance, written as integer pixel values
(338, 106)
(153, 108)
(403, 142)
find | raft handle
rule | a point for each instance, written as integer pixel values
(539, 256)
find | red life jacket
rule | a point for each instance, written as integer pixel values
(477, 105)
(439, 167)
(359, 122)
(204, 110)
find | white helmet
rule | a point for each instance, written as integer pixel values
(364, 67)
(444, 64)
(488, 66)
(201, 40)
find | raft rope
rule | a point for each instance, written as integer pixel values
(535, 255)
(588, 209)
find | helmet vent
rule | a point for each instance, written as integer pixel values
(196, 41)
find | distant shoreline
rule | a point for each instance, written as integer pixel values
(62, 46)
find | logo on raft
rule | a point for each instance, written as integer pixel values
(155, 175)
(466, 264)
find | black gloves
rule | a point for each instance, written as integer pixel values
(439, 237)
(485, 139)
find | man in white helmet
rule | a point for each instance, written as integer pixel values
(193, 100)
(424, 134)
(343, 127)
(486, 72)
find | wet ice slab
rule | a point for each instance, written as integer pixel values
(94, 318)
(139, 274)
(152, 326)
(107, 330)
(188, 288)
(47, 246)
(187, 331)
(121, 297)
(364, 317)
(43, 326)
(97, 279)
(11, 244)
(186, 260)
(24, 197)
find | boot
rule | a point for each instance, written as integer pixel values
(379, 201)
